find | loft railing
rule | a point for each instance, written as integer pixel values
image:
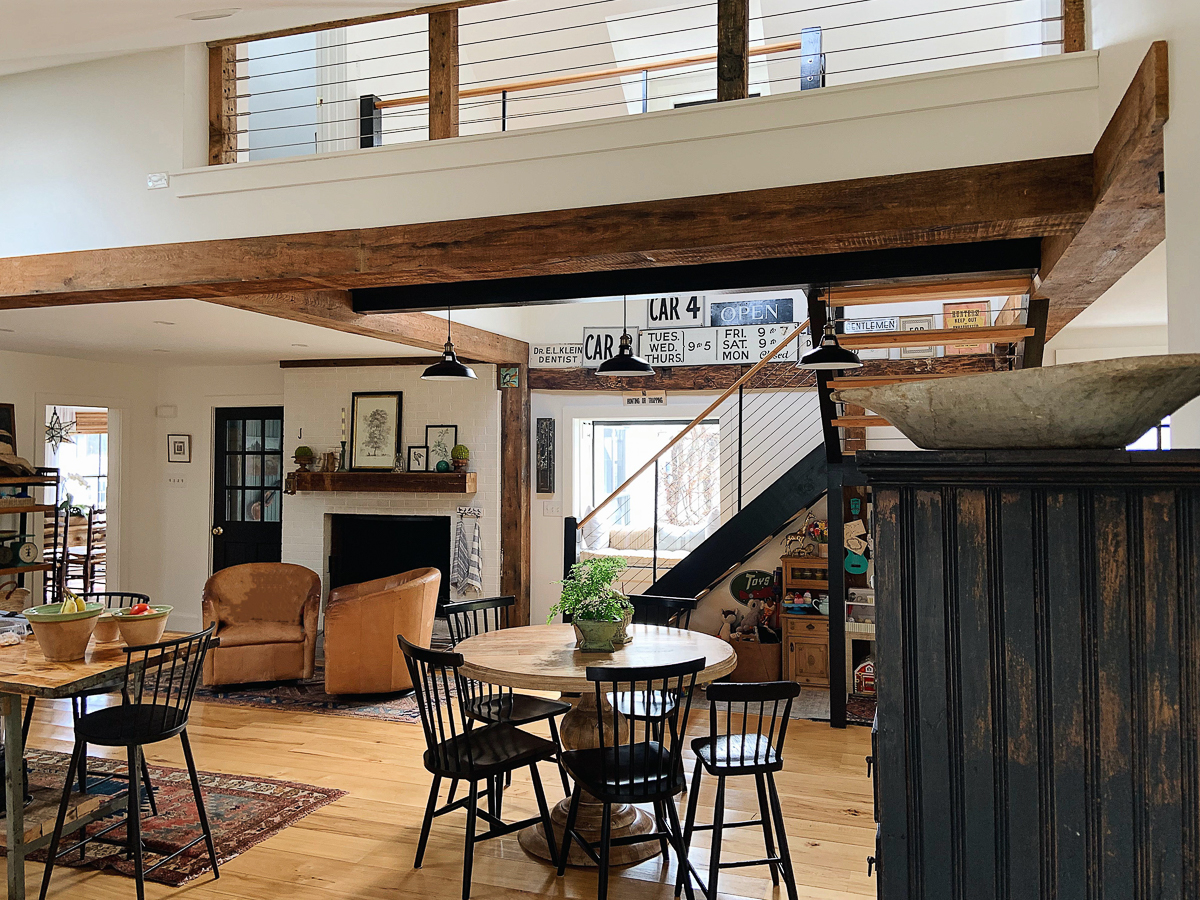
(735, 449)
(516, 64)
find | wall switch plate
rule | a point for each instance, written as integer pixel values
(552, 508)
(157, 180)
(176, 481)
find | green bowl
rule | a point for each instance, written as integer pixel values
(49, 612)
(156, 612)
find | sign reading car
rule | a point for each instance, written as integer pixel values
(600, 344)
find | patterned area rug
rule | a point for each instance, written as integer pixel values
(242, 812)
(310, 696)
(860, 711)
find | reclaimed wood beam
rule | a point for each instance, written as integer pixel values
(1003, 201)
(443, 74)
(733, 43)
(222, 105)
(711, 378)
(331, 309)
(515, 497)
(1128, 218)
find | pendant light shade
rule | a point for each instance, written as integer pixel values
(625, 364)
(449, 368)
(830, 355)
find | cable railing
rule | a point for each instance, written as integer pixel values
(521, 64)
(709, 471)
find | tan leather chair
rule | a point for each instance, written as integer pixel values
(362, 655)
(266, 617)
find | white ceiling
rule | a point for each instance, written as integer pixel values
(40, 33)
(200, 334)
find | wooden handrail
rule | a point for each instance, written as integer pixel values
(613, 72)
(754, 370)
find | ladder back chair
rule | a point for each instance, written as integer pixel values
(456, 751)
(674, 612)
(492, 703)
(639, 760)
(156, 697)
(750, 743)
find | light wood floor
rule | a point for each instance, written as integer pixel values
(362, 846)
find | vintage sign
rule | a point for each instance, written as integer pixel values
(752, 584)
(872, 326)
(600, 344)
(727, 346)
(677, 311)
(917, 323)
(973, 314)
(644, 398)
(556, 356)
(750, 311)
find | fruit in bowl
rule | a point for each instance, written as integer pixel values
(63, 629)
(142, 623)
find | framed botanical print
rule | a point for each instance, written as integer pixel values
(375, 430)
(418, 459)
(440, 439)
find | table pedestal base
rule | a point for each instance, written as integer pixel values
(578, 732)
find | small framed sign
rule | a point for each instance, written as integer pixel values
(179, 448)
(917, 323)
(418, 459)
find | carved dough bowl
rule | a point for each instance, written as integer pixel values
(1105, 404)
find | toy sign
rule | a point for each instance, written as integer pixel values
(753, 584)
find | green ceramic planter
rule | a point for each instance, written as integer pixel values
(597, 636)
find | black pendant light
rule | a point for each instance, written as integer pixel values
(449, 369)
(625, 364)
(830, 355)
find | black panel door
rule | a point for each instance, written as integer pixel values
(247, 486)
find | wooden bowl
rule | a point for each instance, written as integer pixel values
(107, 629)
(63, 637)
(148, 628)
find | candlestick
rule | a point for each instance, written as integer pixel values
(342, 459)
(343, 424)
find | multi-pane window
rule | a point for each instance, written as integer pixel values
(253, 470)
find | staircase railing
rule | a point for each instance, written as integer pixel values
(755, 431)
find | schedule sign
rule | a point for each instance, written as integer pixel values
(730, 346)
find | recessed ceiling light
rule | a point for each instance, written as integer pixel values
(204, 15)
(299, 345)
(161, 322)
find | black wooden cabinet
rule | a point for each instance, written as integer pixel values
(1039, 674)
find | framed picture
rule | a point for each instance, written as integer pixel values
(179, 448)
(375, 430)
(418, 459)
(545, 456)
(973, 314)
(917, 323)
(8, 422)
(440, 439)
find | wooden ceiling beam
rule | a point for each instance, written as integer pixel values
(331, 309)
(939, 337)
(950, 289)
(1129, 215)
(1004, 201)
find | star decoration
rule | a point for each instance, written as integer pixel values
(59, 432)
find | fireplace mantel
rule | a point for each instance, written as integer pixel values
(384, 482)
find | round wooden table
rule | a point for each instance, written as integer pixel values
(544, 658)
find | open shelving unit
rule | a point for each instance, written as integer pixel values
(46, 480)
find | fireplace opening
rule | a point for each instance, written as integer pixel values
(363, 548)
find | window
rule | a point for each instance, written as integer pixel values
(1157, 438)
(84, 461)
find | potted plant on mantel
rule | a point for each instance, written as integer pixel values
(599, 612)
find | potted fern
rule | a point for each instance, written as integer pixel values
(598, 611)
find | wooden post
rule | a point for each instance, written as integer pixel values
(443, 74)
(515, 501)
(1035, 345)
(1074, 26)
(733, 35)
(222, 105)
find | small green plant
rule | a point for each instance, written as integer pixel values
(587, 593)
(460, 451)
(303, 452)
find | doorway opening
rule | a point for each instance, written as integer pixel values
(77, 444)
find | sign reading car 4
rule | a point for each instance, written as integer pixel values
(600, 344)
(677, 311)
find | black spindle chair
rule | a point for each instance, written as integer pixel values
(156, 697)
(642, 766)
(456, 751)
(492, 703)
(674, 612)
(751, 743)
(111, 600)
(669, 612)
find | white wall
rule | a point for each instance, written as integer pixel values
(1123, 30)
(112, 122)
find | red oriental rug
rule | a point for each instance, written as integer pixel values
(242, 812)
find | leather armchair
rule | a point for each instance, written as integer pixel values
(362, 655)
(266, 617)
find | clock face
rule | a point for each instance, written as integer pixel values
(27, 553)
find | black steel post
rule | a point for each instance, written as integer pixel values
(370, 122)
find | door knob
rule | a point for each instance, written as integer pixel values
(218, 531)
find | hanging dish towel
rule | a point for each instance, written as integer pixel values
(467, 571)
